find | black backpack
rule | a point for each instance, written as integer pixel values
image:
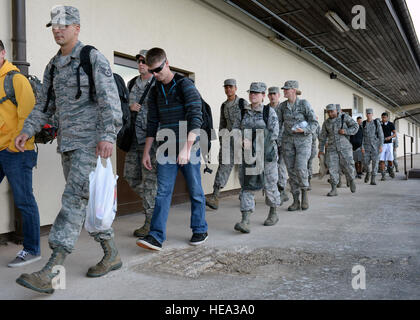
(207, 124)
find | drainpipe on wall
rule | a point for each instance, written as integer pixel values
(19, 60)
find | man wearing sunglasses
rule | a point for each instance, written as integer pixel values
(142, 181)
(173, 101)
(88, 128)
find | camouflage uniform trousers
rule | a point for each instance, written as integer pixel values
(395, 158)
(223, 171)
(371, 155)
(272, 194)
(314, 153)
(282, 173)
(77, 165)
(338, 161)
(297, 151)
(141, 180)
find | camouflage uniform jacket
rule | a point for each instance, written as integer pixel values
(82, 123)
(329, 133)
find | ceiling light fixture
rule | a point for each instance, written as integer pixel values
(403, 92)
(338, 23)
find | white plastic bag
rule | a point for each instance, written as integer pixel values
(102, 205)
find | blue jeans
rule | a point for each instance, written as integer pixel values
(17, 167)
(166, 177)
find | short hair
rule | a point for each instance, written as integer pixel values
(155, 55)
(1, 46)
(385, 114)
(359, 117)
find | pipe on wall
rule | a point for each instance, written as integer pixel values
(19, 35)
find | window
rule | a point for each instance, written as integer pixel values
(126, 66)
(357, 104)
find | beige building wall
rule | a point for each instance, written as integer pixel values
(197, 38)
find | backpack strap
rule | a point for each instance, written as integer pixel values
(131, 83)
(242, 107)
(266, 114)
(86, 64)
(8, 88)
(342, 120)
(50, 89)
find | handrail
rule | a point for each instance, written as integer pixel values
(405, 154)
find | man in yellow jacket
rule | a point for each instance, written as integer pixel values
(16, 103)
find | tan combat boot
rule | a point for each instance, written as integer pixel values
(296, 203)
(244, 225)
(144, 231)
(352, 186)
(41, 281)
(373, 181)
(367, 177)
(305, 204)
(333, 192)
(283, 195)
(272, 218)
(110, 261)
(212, 200)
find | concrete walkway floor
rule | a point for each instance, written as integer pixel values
(307, 255)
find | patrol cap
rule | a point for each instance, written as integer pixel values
(142, 53)
(338, 106)
(229, 82)
(369, 110)
(64, 15)
(258, 87)
(292, 84)
(273, 90)
(331, 107)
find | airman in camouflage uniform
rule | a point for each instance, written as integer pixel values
(336, 131)
(253, 119)
(299, 121)
(314, 152)
(274, 96)
(396, 145)
(230, 117)
(87, 129)
(373, 138)
(141, 180)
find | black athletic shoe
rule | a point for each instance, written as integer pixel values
(148, 242)
(198, 238)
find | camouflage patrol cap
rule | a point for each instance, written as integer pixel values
(292, 84)
(273, 90)
(369, 111)
(331, 107)
(229, 82)
(64, 15)
(338, 106)
(258, 87)
(142, 53)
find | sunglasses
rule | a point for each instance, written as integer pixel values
(141, 61)
(254, 92)
(158, 69)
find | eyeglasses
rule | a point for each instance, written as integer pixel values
(59, 26)
(139, 61)
(158, 69)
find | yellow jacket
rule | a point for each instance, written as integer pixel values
(12, 117)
